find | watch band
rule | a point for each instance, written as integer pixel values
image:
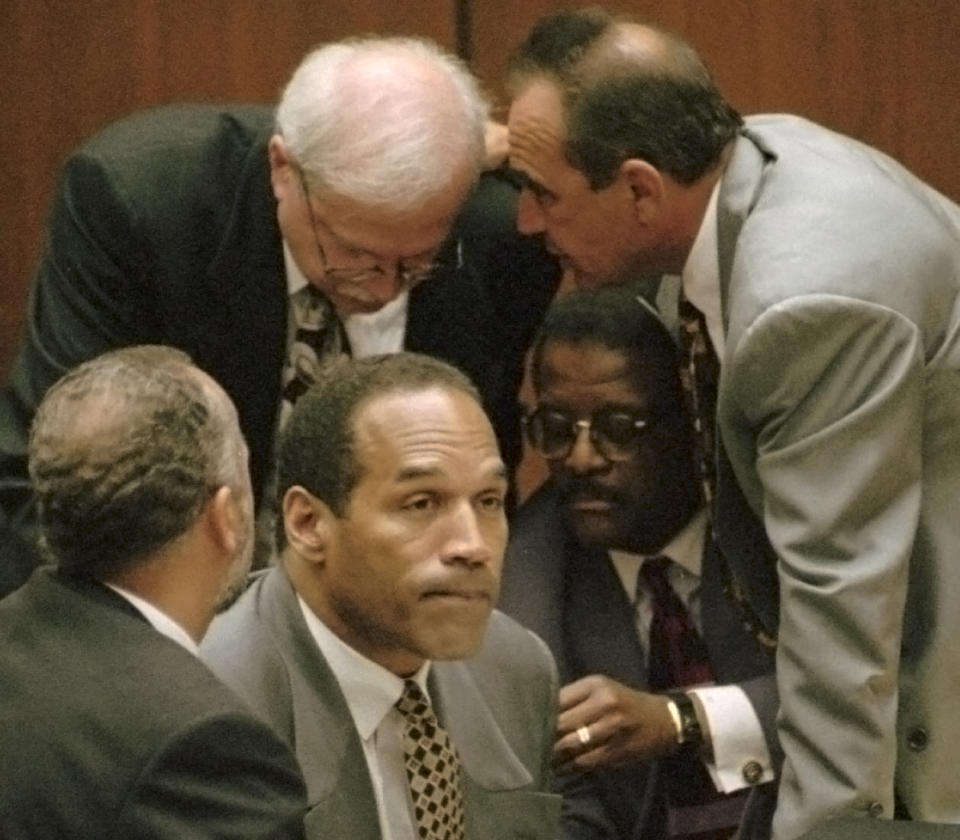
(685, 720)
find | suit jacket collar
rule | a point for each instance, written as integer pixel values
(325, 739)
(739, 190)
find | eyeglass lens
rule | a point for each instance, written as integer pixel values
(614, 433)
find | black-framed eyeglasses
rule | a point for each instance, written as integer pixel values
(410, 275)
(614, 432)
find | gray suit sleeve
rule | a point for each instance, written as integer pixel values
(831, 391)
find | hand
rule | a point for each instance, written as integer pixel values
(624, 726)
(495, 142)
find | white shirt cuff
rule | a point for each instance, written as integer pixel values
(740, 755)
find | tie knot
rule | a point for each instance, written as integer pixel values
(688, 313)
(413, 702)
(654, 573)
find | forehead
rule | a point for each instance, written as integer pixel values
(574, 371)
(438, 431)
(536, 129)
(392, 233)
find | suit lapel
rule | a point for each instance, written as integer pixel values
(739, 189)
(325, 739)
(600, 630)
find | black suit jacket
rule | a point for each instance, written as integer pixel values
(572, 598)
(110, 729)
(164, 231)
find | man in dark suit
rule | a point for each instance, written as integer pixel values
(611, 421)
(823, 278)
(392, 534)
(111, 726)
(209, 229)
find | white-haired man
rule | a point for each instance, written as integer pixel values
(212, 229)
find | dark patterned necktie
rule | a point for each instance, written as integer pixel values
(433, 768)
(317, 336)
(699, 374)
(678, 656)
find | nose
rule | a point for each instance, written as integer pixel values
(386, 284)
(584, 458)
(465, 542)
(530, 218)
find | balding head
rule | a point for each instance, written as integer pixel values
(629, 90)
(124, 452)
(385, 122)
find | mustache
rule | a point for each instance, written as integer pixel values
(587, 488)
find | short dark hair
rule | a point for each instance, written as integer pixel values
(625, 100)
(317, 443)
(124, 451)
(617, 318)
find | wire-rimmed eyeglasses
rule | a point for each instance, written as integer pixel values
(409, 275)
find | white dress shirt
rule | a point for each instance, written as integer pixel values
(371, 692)
(369, 333)
(736, 737)
(160, 621)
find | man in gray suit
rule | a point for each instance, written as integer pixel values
(392, 535)
(828, 279)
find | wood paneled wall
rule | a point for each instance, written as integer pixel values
(886, 71)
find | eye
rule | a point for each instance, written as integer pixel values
(421, 504)
(492, 502)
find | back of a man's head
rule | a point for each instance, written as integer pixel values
(630, 90)
(124, 452)
(385, 122)
(317, 444)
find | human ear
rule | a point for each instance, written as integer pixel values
(307, 523)
(223, 519)
(281, 166)
(647, 187)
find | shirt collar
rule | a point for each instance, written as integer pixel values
(685, 549)
(160, 621)
(370, 690)
(701, 273)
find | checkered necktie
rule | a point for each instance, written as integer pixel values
(433, 768)
(317, 336)
(699, 373)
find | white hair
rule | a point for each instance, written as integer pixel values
(386, 122)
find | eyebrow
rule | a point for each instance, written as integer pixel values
(414, 473)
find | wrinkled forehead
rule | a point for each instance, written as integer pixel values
(391, 233)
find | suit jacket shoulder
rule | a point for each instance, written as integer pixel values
(499, 712)
(112, 729)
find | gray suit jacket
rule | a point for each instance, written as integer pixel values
(573, 599)
(499, 708)
(839, 421)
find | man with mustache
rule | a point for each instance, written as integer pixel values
(611, 421)
(392, 530)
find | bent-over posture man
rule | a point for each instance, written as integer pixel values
(111, 726)
(262, 241)
(416, 710)
(823, 280)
